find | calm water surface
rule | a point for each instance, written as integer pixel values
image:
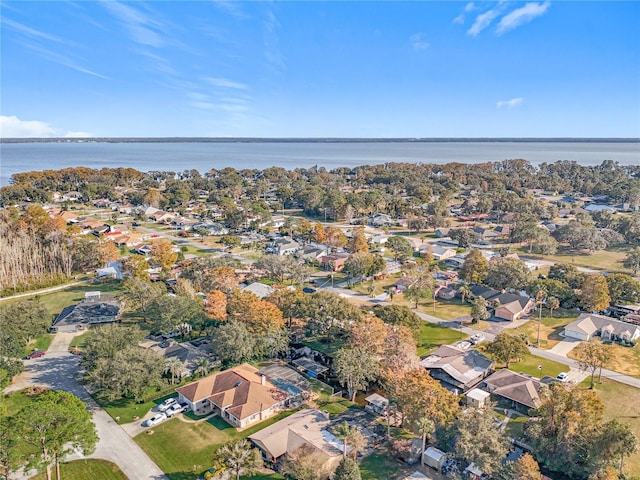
(177, 157)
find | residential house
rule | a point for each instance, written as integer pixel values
(484, 233)
(311, 253)
(283, 246)
(130, 240)
(260, 290)
(240, 395)
(518, 390)
(507, 306)
(588, 324)
(68, 217)
(186, 352)
(442, 253)
(95, 309)
(212, 228)
(306, 427)
(333, 263)
(442, 232)
(456, 368)
(185, 224)
(381, 220)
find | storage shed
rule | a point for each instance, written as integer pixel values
(477, 398)
(434, 457)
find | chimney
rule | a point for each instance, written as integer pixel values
(263, 380)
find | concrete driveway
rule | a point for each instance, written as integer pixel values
(60, 370)
(565, 346)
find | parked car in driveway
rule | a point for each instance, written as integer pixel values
(176, 408)
(476, 339)
(563, 376)
(155, 420)
(166, 404)
(35, 354)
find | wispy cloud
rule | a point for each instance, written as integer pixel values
(230, 7)
(13, 127)
(483, 20)
(514, 102)
(418, 42)
(521, 15)
(142, 27)
(469, 7)
(32, 32)
(272, 52)
(63, 60)
(226, 83)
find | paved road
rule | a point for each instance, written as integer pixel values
(60, 370)
(575, 373)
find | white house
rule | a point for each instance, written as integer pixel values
(587, 325)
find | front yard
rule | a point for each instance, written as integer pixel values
(184, 449)
(86, 469)
(550, 328)
(432, 336)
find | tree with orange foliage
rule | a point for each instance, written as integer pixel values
(162, 252)
(216, 306)
(319, 235)
(335, 237)
(358, 241)
(287, 300)
(108, 252)
(259, 316)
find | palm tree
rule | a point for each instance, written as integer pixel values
(238, 457)
(174, 367)
(424, 426)
(540, 300)
(203, 366)
(345, 432)
(464, 291)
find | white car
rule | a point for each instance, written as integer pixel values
(476, 339)
(563, 377)
(166, 404)
(176, 408)
(155, 420)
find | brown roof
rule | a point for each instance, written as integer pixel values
(238, 390)
(514, 386)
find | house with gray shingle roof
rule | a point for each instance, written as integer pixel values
(457, 369)
(589, 324)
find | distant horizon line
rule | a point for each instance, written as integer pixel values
(113, 139)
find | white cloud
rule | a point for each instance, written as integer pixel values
(13, 127)
(417, 42)
(469, 7)
(226, 83)
(232, 8)
(483, 20)
(521, 15)
(143, 28)
(32, 32)
(514, 102)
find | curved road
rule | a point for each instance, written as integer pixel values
(60, 370)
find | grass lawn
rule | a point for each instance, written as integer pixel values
(16, 401)
(432, 336)
(80, 341)
(380, 465)
(41, 342)
(448, 309)
(54, 302)
(550, 328)
(623, 359)
(323, 345)
(622, 402)
(183, 450)
(603, 260)
(127, 408)
(515, 427)
(530, 363)
(190, 249)
(87, 468)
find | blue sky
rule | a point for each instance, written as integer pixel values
(320, 69)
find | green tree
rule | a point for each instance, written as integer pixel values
(475, 267)
(473, 425)
(305, 463)
(507, 348)
(595, 293)
(623, 288)
(11, 455)
(355, 367)
(138, 295)
(508, 272)
(632, 261)
(106, 341)
(399, 315)
(347, 470)
(400, 246)
(55, 424)
(173, 366)
(552, 303)
(203, 367)
(591, 356)
(465, 292)
(230, 241)
(617, 441)
(233, 343)
(479, 310)
(169, 312)
(238, 457)
(350, 436)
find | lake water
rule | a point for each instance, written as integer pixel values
(19, 157)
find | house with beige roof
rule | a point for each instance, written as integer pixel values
(519, 391)
(588, 324)
(457, 369)
(240, 395)
(306, 427)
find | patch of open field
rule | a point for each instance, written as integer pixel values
(623, 359)
(602, 260)
(432, 336)
(622, 402)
